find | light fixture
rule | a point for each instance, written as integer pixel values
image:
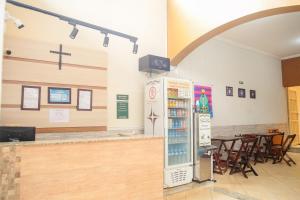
(74, 32)
(77, 22)
(135, 48)
(106, 40)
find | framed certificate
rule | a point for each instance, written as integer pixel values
(31, 98)
(59, 95)
(84, 99)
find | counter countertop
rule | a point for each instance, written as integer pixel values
(82, 137)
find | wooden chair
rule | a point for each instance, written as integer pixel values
(259, 155)
(219, 166)
(240, 160)
(280, 152)
(276, 141)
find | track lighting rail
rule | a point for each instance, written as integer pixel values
(75, 22)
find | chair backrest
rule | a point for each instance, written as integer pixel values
(245, 150)
(288, 142)
(248, 145)
(278, 139)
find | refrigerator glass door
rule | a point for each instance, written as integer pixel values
(179, 125)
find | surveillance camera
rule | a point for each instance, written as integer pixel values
(18, 23)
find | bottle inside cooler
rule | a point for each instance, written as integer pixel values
(179, 143)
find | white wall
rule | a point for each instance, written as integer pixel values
(142, 18)
(220, 64)
(2, 6)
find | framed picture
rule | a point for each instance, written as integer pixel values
(59, 95)
(241, 93)
(229, 91)
(252, 94)
(84, 100)
(31, 98)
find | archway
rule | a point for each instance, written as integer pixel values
(178, 57)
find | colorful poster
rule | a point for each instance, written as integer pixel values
(203, 99)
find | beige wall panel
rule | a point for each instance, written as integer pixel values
(39, 73)
(12, 95)
(17, 117)
(56, 172)
(27, 71)
(41, 51)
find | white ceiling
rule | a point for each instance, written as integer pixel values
(277, 35)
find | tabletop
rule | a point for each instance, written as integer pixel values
(225, 138)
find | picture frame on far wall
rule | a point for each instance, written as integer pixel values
(253, 94)
(229, 91)
(31, 98)
(84, 100)
(242, 93)
(59, 95)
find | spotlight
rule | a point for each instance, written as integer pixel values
(135, 48)
(106, 41)
(74, 32)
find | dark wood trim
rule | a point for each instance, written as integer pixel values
(290, 72)
(52, 106)
(53, 63)
(22, 97)
(57, 88)
(70, 129)
(91, 100)
(99, 107)
(53, 84)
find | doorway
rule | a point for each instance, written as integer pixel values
(293, 111)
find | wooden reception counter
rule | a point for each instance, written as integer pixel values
(110, 167)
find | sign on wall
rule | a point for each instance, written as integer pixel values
(203, 99)
(59, 115)
(122, 106)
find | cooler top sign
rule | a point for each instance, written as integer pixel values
(152, 93)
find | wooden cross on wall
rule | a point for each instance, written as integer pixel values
(61, 53)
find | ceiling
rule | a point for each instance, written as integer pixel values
(277, 35)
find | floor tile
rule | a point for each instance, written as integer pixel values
(275, 182)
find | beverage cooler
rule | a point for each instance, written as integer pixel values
(168, 113)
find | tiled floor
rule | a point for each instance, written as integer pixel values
(275, 182)
(295, 148)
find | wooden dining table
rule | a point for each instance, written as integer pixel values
(227, 143)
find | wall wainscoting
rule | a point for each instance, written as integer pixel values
(242, 129)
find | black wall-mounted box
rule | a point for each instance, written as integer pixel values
(156, 64)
